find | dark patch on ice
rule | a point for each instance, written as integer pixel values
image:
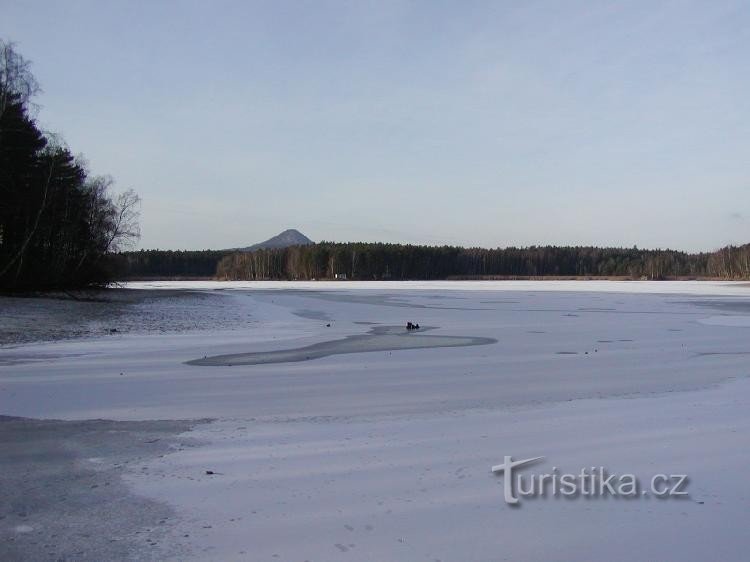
(379, 338)
(566, 352)
(400, 301)
(312, 314)
(732, 304)
(708, 353)
(62, 496)
(20, 358)
(608, 311)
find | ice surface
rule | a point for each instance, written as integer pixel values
(386, 454)
(726, 288)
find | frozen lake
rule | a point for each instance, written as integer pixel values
(338, 436)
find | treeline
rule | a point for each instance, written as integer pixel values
(145, 264)
(731, 262)
(370, 261)
(58, 223)
(366, 261)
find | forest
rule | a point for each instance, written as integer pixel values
(378, 261)
(400, 262)
(174, 264)
(58, 223)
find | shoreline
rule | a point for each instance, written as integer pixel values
(706, 288)
(449, 278)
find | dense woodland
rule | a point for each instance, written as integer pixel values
(367, 261)
(395, 261)
(58, 223)
(149, 264)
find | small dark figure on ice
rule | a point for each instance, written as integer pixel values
(411, 326)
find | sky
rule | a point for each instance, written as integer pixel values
(487, 124)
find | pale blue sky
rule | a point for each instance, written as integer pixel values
(473, 123)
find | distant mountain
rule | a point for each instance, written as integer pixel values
(287, 238)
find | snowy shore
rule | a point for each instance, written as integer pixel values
(385, 454)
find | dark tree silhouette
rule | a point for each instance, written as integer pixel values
(57, 225)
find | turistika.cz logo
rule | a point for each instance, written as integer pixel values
(588, 482)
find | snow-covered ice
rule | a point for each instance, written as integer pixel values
(386, 454)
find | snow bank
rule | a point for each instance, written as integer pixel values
(718, 288)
